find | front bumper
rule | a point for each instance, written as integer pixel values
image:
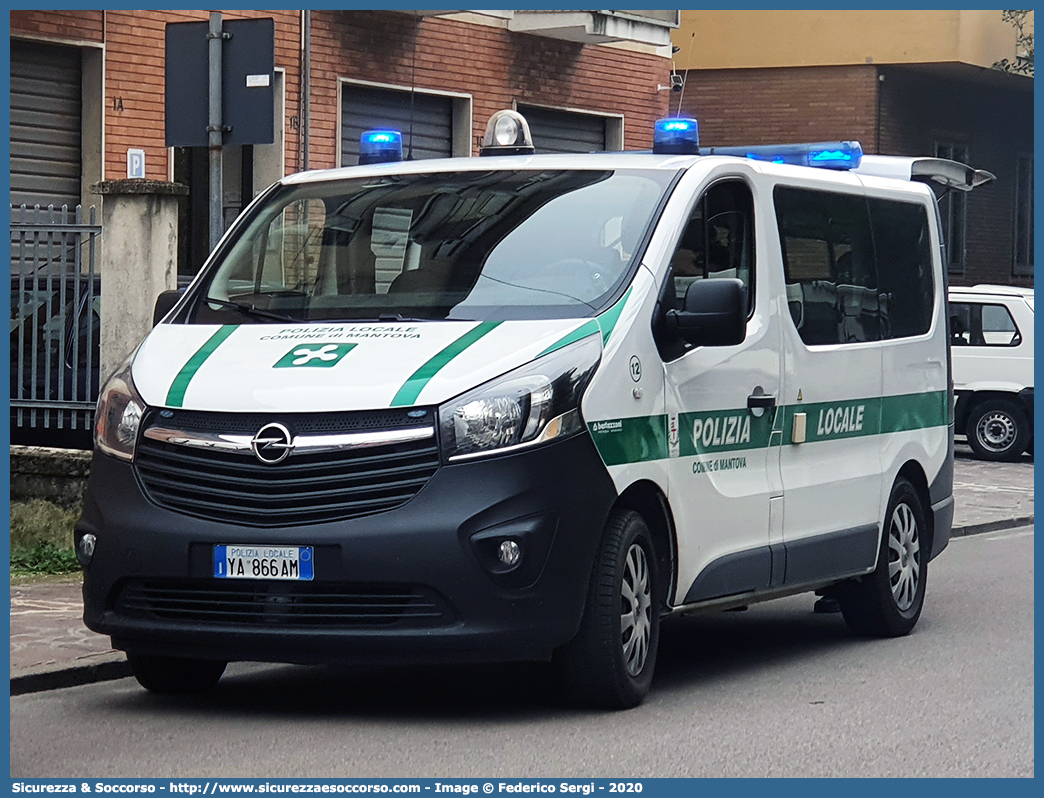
(553, 500)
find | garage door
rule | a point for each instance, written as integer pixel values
(45, 124)
(563, 131)
(364, 108)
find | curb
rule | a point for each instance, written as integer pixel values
(991, 526)
(69, 677)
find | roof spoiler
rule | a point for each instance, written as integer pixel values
(951, 174)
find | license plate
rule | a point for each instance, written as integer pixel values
(263, 561)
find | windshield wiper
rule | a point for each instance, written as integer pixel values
(250, 310)
(397, 317)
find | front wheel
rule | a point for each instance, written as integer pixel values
(888, 602)
(609, 664)
(175, 675)
(998, 429)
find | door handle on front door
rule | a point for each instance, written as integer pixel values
(759, 401)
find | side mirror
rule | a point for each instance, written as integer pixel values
(164, 303)
(714, 314)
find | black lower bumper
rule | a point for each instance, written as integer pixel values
(150, 584)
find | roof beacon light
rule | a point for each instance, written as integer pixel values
(824, 154)
(380, 146)
(676, 136)
(507, 133)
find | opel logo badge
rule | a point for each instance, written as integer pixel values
(272, 444)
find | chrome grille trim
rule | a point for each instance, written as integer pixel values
(305, 444)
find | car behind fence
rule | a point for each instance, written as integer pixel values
(55, 325)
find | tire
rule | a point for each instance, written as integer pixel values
(888, 602)
(175, 675)
(999, 430)
(610, 663)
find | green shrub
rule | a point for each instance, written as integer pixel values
(43, 558)
(42, 538)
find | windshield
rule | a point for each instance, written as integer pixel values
(484, 245)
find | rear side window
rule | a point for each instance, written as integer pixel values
(976, 324)
(828, 260)
(856, 269)
(904, 266)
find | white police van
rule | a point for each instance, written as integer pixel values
(522, 407)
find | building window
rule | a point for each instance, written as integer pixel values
(1023, 260)
(953, 209)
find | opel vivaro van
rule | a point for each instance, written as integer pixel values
(522, 407)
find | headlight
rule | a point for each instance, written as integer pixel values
(536, 403)
(118, 416)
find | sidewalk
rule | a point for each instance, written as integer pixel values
(51, 648)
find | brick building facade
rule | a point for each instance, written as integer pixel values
(901, 82)
(475, 64)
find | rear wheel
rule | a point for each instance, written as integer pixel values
(888, 602)
(998, 429)
(175, 675)
(610, 662)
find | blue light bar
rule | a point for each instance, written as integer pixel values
(676, 136)
(824, 154)
(380, 146)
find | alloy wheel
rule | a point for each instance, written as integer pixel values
(636, 609)
(904, 556)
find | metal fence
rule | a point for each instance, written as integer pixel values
(55, 324)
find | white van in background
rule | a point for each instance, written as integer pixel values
(991, 334)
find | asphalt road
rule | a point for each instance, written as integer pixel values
(774, 691)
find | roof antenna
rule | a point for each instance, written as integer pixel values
(413, 91)
(692, 41)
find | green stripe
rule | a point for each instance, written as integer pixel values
(607, 321)
(411, 389)
(915, 411)
(630, 440)
(835, 420)
(858, 418)
(582, 331)
(604, 323)
(722, 431)
(635, 440)
(176, 394)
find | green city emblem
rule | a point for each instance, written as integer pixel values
(321, 356)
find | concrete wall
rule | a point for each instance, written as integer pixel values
(58, 476)
(139, 260)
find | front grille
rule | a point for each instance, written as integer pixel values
(303, 489)
(288, 604)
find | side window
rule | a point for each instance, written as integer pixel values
(975, 324)
(718, 240)
(828, 262)
(998, 327)
(904, 266)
